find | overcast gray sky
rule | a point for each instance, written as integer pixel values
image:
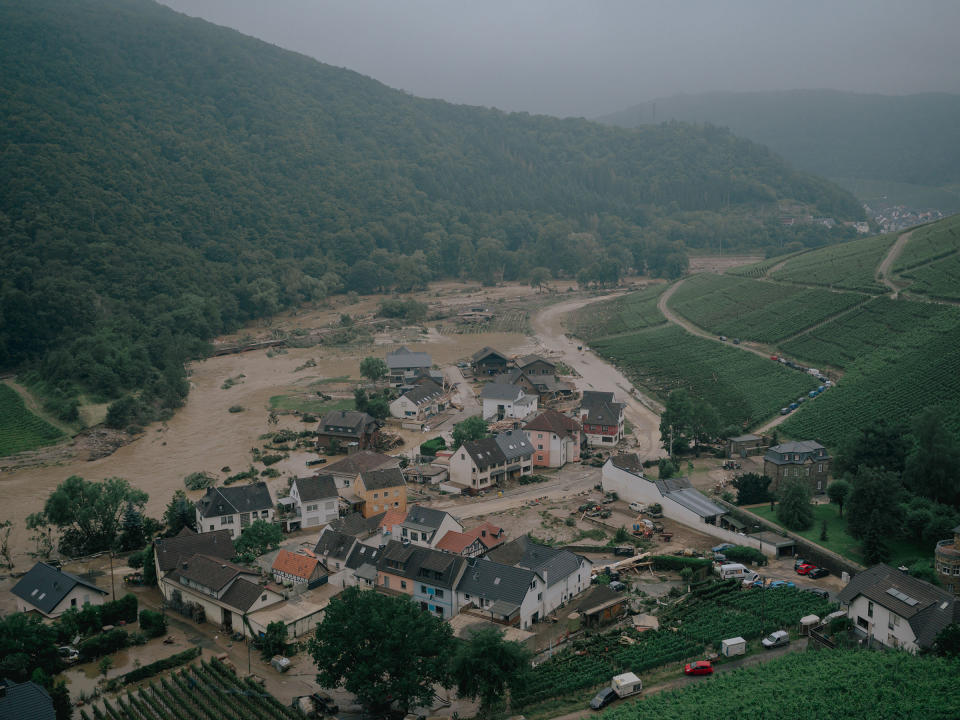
(589, 58)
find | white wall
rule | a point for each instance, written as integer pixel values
(511, 409)
(879, 625)
(627, 486)
(81, 594)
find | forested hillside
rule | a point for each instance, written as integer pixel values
(896, 139)
(163, 180)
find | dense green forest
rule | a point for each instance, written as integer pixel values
(164, 180)
(904, 141)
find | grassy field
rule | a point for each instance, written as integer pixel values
(850, 266)
(929, 243)
(308, 404)
(839, 539)
(742, 387)
(827, 685)
(634, 311)
(20, 429)
(754, 309)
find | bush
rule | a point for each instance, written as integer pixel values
(676, 564)
(154, 624)
(432, 446)
(198, 481)
(125, 609)
(104, 644)
(159, 666)
(743, 554)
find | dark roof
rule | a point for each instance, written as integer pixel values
(511, 377)
(360, 462)
(318, 487)
(926, 607)
(172, 551)
(745, 438)
(806, 449)
(555, 422)
(593, 596)
(496, 581)
(25, 701)
(670, 484)
(554, 564)
(695, 501)
(334, 544)
(629, 462)
(427, 517)
(240, 499)
(484, 353)
(404, 358)
(432, 567)
(356, 524)
(210, 572)
(531, 359)
(500, 391)
(242, 594)
(514, 444)
(363, 555)
(346, 423)
(44, 586)
(424, 391)
(380, 479)
(485, 452)
(600, 408)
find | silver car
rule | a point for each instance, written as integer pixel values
(776, 639)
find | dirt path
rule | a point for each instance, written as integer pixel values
(35, 407)
(883, 270)
(597, 374)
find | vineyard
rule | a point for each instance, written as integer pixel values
(208, 691)
(929, 243)
(503, 321)
(712, 612)
(20, 429)
(742, 387)
(827, 685)
(758, 269)
(938, 279)
(756, 310)
(851, 265)
(635, 311)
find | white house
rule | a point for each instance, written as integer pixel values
(501, 401)
(316, 500)
(481, 464)
(422, 401)
(333, 548)
(405, 366)
(234, 508)
(425, 526)
(564, 573)
(169, 553)
(51, 592)
(507, 594)
(897, 610)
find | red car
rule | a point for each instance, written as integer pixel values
(700, 667)
(805, 569)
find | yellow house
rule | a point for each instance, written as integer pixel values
(382, 490)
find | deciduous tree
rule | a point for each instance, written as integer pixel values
(752, 488)
(258, 538)
(505, 668)
(838, 491)
(794, 510)
(473, 428)
(373, 368)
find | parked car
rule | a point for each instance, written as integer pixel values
(637, 507)
(797, 562)
(776, 639)
(805, 568)
(753, 582)
(723, 338)
(68, 654)
(603, 698)
(721, 547)
(818, 591)
(818, 572)
(781, 583)
(736, 341)
(700, 667)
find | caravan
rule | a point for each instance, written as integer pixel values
(737, 570)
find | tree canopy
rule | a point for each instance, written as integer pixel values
(794, 509)
(752, 488)
(384, 649)
(505, 668)
(257, 538)
(473, 428)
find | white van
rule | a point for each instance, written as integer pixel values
(626, 684)
(733, 570)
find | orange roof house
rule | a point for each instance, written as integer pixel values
(298, 569)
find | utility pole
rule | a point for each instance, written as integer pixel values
(113, 588)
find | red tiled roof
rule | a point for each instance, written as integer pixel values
(553, 421)
(455, 542)
(295, 564)
(488, 534)
(391, 518)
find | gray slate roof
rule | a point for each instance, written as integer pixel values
(514, 445)
(361, 462)
(363, 555)
(356, 524)
(926, 607)
(496, 581)
(242, 594)
(423, 392)
(44, 586)
(554, 564)
(600, 408)
(347, 423)
(745, 438)
(211, 572)
(500, 391)
(334, 544)
(485, 452)
(240, 499)
(670, 484)
(380, 479)
(26, 701)
(695, 501)
(319, 487)
(629, 462)
(404, 358)
(171, 552)
(531, 359)
(431, 567)
(483, 353)
(425, 517)
(806, 449)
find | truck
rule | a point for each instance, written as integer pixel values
(626, 684)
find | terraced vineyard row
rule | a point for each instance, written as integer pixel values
(834, 685)
(851, 265)
(635, 311)
(20, 429)
(742, 387)
(939, 279)
(209, 691)
(757, 269)
(756, 310)
(929, 243)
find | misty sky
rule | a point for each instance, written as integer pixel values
(590, 57)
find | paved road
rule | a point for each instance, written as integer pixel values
(597, 374)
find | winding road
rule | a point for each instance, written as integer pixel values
(883, 270)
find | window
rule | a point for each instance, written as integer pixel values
(396, 493)
(375, 496)
(870, 609)
(226, 520)
(403, 584)
(820, 467)
(893, 621)
(438, 593)
(539, 447)
(73, 602)
(423, 589)
(539, 596)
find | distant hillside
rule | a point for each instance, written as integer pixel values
(913, 139)
(163, 180)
